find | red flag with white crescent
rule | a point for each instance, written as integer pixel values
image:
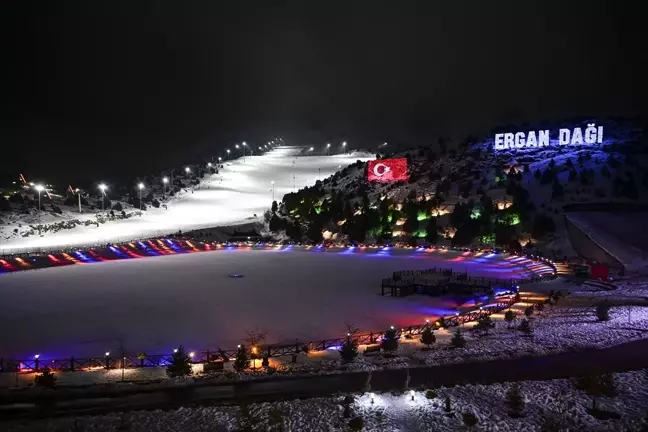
(387, 170)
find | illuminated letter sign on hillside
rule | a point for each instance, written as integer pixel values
(542, 138)
(387, 170)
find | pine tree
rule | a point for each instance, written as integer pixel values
(509, 317)
(528, 311)
(390, 340)
(515, 400)
(469, 419)
(242, 359)
(458, 340)
(349, 350)
(427, 336)
(45, 379)
(525, 327)
(180, 364)
(603, 311)
(596, 385)
(448, 405)
(484, 324)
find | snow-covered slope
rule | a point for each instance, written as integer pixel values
(242, 189)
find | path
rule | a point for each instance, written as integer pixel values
(620, 358)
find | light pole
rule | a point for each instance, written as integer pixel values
(187, 170)
(209, 164)
(344, 146)
(228, 152)
(78, 191)
(272, 183)
(244, 145)
(165, 181)
(328, 148)
(140, 187)
(311, 149)
(102, 188)
(39, 188)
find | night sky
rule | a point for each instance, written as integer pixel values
(108, 90)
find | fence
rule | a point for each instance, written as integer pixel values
(74, 364)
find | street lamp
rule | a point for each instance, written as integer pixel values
(209, 164)
(165, 180)
(140, 187)
(310, 149)
(228, 152)
(78, 192)
(102, 188)
(344, 144)
(187, 170)
(273, 187)
(39, 188)
(328, 147)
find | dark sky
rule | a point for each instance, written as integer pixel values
(108, 90)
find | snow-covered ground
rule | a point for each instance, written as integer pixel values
(152, 305)
(240, 190)
(411, 411)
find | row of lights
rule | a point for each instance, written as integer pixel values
(103, 188)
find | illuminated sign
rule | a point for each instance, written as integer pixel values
(387, 170)
(541, 138)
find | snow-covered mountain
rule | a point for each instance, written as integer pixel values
(474, 194)
(240, 192)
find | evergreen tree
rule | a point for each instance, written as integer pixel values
(447, 405)
(349, 350)
(515, 400)
(509, 317)
(469, 419)
(390, 340)
(427, 336)
(528, 311)
(45, 379)
(458, 340)
(242, 359)
(573, 175)
(603, 311)
(275, 207)
(180, 364)
(557, 190)
(596, 385)
(484, 324)
(431, 234)
(605, 171)
(537, 174)
(525, 327)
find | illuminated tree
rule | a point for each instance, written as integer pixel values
(390, 340)
(242, 359)
(427, 336)
(180, 363)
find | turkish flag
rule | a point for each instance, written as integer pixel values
(387, 170)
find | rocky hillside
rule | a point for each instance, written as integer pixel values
(467, 193)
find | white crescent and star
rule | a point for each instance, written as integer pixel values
(377, 173)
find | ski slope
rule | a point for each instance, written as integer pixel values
(241, 190)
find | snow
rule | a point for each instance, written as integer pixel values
(154, 304)
(407, 411)
(241, 189)
(622, 235)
